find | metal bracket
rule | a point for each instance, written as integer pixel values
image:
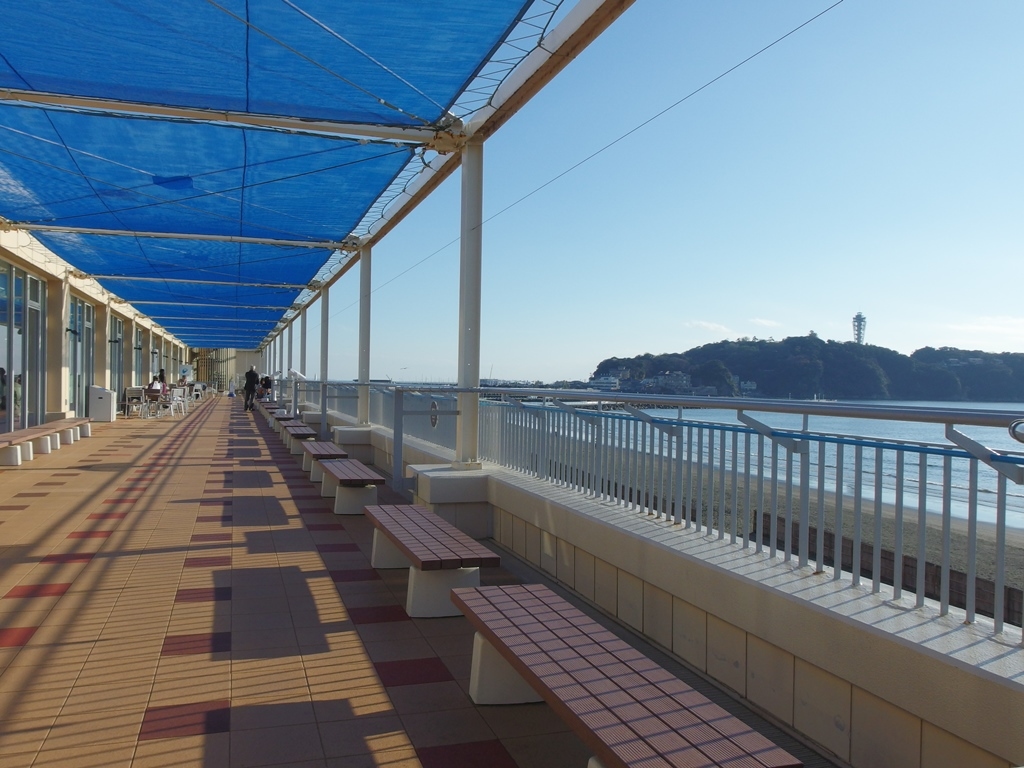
(578, 412)
(637, 413)
(446, 142)
(986, 456)
(794, 446)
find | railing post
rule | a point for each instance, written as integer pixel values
(397, 438)
(325, 320)
(365, 291)
(467, 440)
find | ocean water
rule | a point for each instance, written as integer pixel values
(887, 431)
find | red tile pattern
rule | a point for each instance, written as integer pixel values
(203, 642)
(37, 590)
(70, 557)
(342, 547)
(475, 754)
(412, 671)
(186, 720)
(15, 637)
(377, 614)
(207, 537)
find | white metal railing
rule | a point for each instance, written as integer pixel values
(788, 492)
(862, 493)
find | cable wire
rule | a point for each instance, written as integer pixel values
(605, 148)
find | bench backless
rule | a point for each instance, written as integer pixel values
(533, 645)
(352, 484)
(438, 555)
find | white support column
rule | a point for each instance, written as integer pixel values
(101, 347)
(467, 439)
(302, 344)
(291, 347)
(365, 288)
(325, 321)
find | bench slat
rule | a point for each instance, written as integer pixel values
(430, 542)
(19, 436)
(624, 706)
(351, 472)
(320, 449)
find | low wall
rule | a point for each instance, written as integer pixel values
(874, 682)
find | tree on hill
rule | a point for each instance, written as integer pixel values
(808, 366)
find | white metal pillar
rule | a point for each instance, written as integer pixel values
(325, 320)
(365, 287)
(302, 343)
(280, 352)
(471, 258)
(291, 348)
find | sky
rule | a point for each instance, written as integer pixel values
(870, 162)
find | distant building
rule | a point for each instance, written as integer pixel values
(604, 383)
(672, 379)
(859, 324)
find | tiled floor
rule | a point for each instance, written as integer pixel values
(176, 593)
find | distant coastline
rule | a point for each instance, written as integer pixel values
(809, 368)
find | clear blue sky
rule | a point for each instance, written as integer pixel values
(871, 162)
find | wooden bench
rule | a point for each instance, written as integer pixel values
(295, 434)
(280, 416)
(23, 444)
(315, 450)
(352, 484)
(438, 555)
(531, 645)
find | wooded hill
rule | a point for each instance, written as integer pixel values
(807, 367)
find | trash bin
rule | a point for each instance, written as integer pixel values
(102, 404)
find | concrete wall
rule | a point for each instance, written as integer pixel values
(861, 692)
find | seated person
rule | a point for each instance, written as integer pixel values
(155, 390)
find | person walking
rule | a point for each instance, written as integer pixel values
(252, 380)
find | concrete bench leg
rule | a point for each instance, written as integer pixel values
(86, 430)
(77, 431)
(328, 486)
(492, 680)
(593, 762)
(351, 500)
(10, 456)
(67, 436)
(297, 447)
(316, 472)
(385, 554)
(54, 442)
(27, 454)
(307, 462)
(41, 445)
(429, 591)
